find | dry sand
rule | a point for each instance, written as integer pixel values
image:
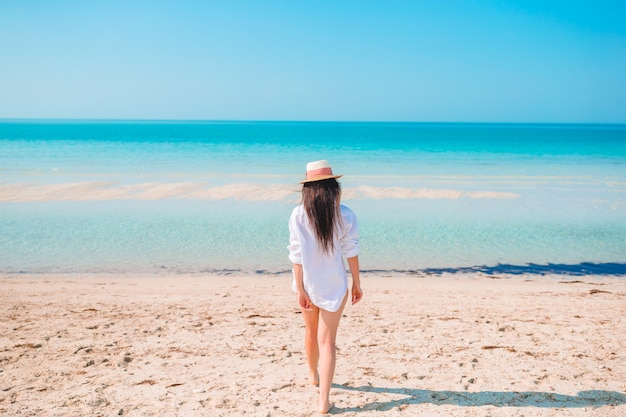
(455, 345)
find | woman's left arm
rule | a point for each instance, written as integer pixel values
(357, 293)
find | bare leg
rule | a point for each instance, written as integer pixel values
(326, 337)
(311, 320)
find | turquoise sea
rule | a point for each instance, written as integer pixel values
(194, 197)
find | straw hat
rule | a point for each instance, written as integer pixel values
(318, 170)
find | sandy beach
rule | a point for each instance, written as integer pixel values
(450, 345)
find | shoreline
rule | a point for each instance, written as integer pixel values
(175, 344)
(500, 270)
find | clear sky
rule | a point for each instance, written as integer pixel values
(386, 60)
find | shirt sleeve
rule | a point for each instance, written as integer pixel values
(295, 252)
(350, 239)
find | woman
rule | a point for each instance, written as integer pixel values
(321, 233)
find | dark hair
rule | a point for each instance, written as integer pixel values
(321, 203)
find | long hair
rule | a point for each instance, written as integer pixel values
(321, 203)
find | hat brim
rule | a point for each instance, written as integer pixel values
(320, 178)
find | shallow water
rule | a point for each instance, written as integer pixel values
(183, 196)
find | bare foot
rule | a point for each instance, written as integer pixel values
(327, 409)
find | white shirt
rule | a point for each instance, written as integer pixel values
(324, 275)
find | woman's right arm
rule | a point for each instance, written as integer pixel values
(295, 256)
(303, 299)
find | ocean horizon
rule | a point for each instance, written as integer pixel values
(128, 196)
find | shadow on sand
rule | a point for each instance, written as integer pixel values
(594, 398)
(581, 269)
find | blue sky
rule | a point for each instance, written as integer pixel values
(393, 60)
